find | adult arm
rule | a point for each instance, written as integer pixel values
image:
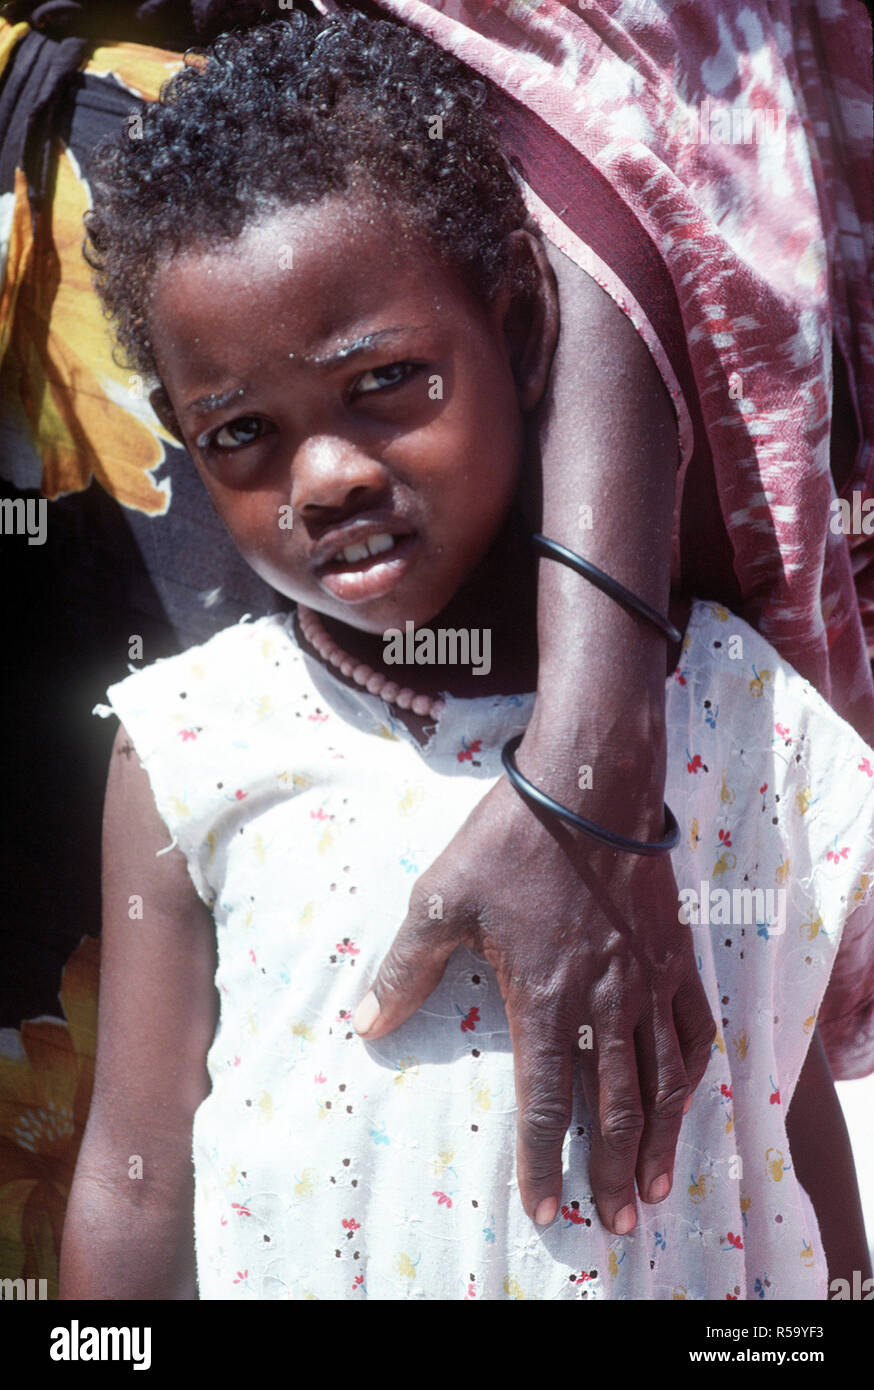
(129, 1236)
(577, 934)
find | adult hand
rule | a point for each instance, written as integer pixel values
(577, 935)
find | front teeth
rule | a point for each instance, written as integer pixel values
(377, 544)
(374, 545)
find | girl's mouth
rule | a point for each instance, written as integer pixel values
(369, 568)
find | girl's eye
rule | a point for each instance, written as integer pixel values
(380, 378)
(246, 425)
(246, 429)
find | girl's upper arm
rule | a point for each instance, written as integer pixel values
(158, 1004)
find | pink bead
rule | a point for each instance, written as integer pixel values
(374, 682)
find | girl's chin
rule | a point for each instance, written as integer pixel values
(389, 619)
(373, 618)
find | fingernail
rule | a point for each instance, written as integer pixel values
(688, 1103)
(660, 1188)
(366, 1014)
(546, 1211)
(624, 1221)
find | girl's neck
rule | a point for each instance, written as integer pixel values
(496, 609)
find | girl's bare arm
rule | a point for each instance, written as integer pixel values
(823, 1161)
(129, 1236)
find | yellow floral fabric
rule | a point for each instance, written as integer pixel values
(46, 1079)
(70, 413)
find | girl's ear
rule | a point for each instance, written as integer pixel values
(160, 403)
(530, 319)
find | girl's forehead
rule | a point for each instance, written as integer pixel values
(303, 283)
(272, 236)
(352, 221)
(316, 261)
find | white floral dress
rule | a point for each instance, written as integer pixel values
(327, 1167)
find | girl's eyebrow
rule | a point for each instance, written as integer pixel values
(203, 404)
(341, 354)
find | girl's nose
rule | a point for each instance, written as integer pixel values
(326, 471)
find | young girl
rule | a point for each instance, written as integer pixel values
(353, 368)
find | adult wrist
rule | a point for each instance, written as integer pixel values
(607, 836)
(628, 738)
(616, 783)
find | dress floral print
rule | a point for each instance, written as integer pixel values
(327, 1167)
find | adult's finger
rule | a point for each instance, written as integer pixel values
(410, 971)
(664, 1089)
(610, 1080)
(696, 1030)
(543, 1065)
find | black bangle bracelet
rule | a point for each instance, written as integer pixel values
(606, 584)
(598, 832)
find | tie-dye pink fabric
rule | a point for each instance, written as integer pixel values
(765, 235)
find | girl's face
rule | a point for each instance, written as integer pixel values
(351, 407)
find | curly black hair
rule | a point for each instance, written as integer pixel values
(286, 113)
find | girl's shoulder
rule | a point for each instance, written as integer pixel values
(218, 684)
(213, 727)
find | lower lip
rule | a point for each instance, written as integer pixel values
(370, 578)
